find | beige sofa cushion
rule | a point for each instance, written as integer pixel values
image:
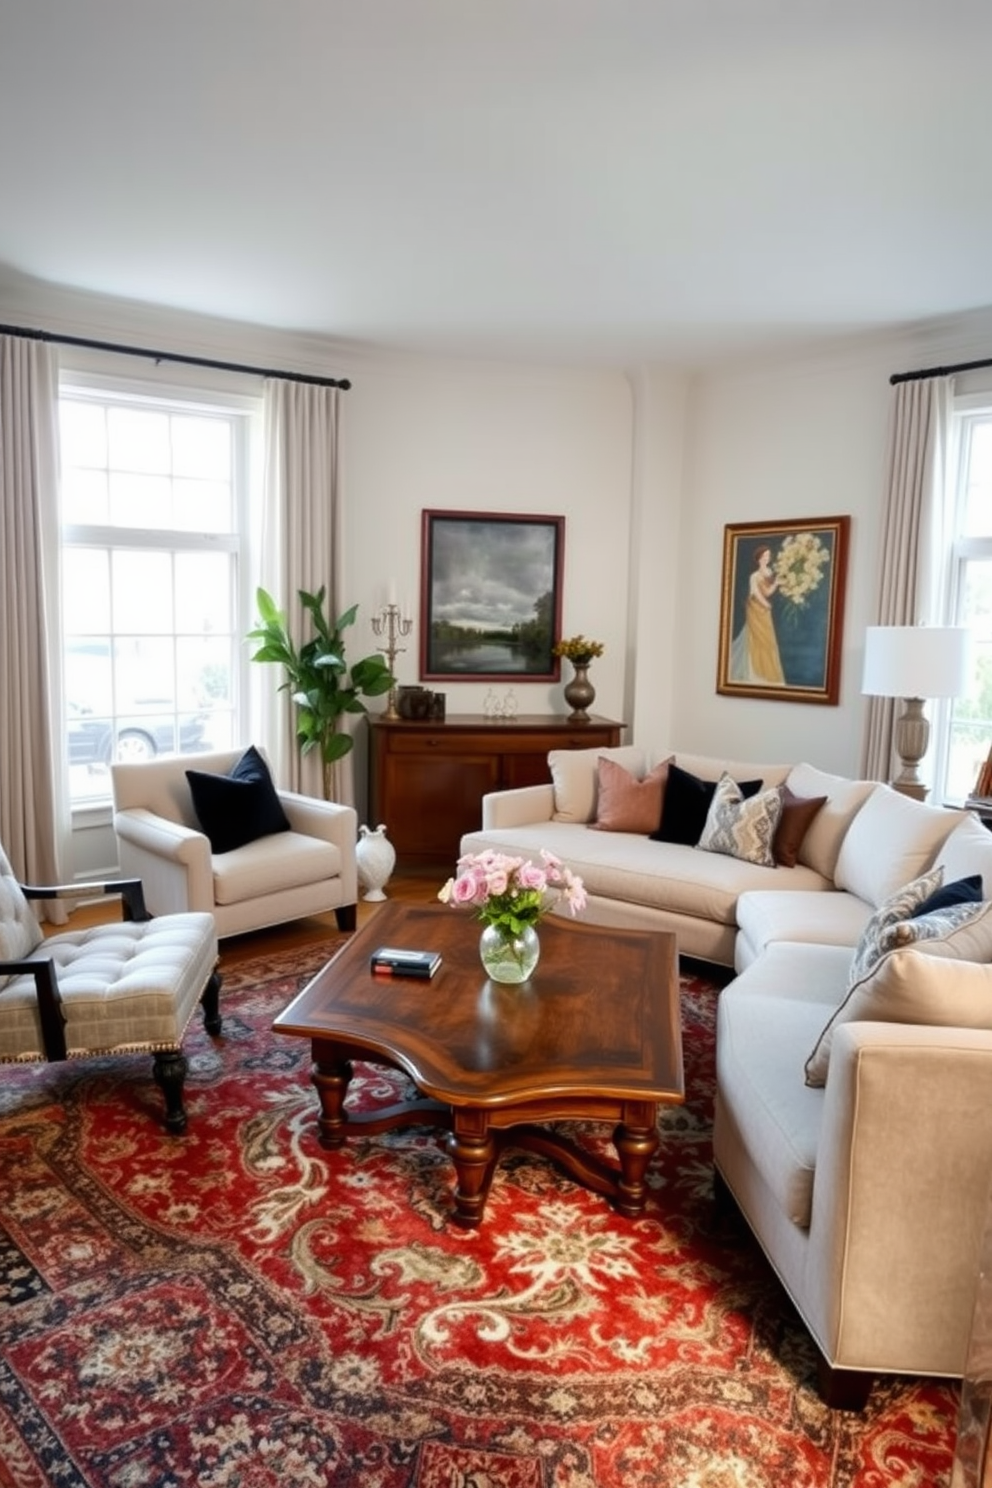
(821, 846)
(968, 850)
(286, 860)
(810, 917)
(766, 1018)
(960, 935)
(891, 840)
(575, 781)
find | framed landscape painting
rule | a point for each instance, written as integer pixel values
(782, 609)
(490, 597)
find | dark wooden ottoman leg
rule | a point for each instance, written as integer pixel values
(210, 1002)
(170, 1075)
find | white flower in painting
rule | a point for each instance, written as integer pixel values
(799, 566)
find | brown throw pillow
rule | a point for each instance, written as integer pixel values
(626, 804)
(797, 815)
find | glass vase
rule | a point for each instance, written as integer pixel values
(507, 957)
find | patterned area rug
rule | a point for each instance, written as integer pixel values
(240, 1307)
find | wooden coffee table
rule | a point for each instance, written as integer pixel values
(594, 1036)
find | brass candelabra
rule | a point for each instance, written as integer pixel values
(389, 622)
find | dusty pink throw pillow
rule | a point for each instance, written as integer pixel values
(626, 804)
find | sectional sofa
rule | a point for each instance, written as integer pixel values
(853, 1117)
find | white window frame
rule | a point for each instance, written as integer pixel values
(968, 410)
(179, 397)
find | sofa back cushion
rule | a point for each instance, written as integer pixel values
(709, 768)
(160, 785)
(574, 776)
(891, 841)
(844, 798)
(967, 851)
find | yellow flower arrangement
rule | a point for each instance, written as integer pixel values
(578, 650)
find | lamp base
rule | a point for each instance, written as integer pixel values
(912, 740)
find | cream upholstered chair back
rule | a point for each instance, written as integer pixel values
(160, 785)
(20, 932)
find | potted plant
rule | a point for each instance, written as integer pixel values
(318, 679)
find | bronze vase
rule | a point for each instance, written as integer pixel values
(580, 693)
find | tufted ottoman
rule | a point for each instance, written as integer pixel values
(113, 989)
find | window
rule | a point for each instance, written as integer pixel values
(963, 742)
(154, 505)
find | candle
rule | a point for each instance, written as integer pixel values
(392, 592)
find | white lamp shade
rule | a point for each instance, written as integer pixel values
(916, 661)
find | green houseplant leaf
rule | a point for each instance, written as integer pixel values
(320, 684)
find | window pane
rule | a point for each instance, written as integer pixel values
(978, 481)
(971, 715)
(139, 440)
(84, 496)
(201, 447)
(142, 591)
(140, 500)
(83, 430)
(85, 590)
(151, 632)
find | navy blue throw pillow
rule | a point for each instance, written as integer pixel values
(239, 807)
(686, 804)
(961, 891)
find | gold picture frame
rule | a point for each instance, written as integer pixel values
(782, 609)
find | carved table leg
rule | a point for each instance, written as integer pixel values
(472, 1149)
(331, 1074)
(169, 1068)
(636, 1141)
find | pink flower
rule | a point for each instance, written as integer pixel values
(532, 877)
(465, 889)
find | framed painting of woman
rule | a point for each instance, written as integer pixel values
(782, 609)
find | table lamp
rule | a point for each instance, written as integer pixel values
(915, 662)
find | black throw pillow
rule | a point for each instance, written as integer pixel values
(239, 807)
(686, 804)
(961, 891)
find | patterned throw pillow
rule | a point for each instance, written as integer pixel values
(898, 990)
(742, 828)
(899, 906)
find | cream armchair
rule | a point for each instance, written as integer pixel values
(282, 876)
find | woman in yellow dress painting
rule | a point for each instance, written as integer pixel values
(754, 655)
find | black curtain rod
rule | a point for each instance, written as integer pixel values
(172, 356)
(926, 372)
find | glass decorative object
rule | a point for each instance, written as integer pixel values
(508, 957)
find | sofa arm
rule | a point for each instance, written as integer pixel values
(332, 822)
(173, 861)
(899, 1195)
(528, 805)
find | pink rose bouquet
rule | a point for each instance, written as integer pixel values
(513, 892)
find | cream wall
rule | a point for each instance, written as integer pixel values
(646, 466)
(493, 439)
(791, 438)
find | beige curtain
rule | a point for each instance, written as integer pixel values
(910, 584)
(29, 605)
(301, 549)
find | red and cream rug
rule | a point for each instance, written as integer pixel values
(238, 1308)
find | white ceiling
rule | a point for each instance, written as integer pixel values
(665, 180)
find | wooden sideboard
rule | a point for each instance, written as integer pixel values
(427, 779)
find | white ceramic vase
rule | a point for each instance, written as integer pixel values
(376, 857)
